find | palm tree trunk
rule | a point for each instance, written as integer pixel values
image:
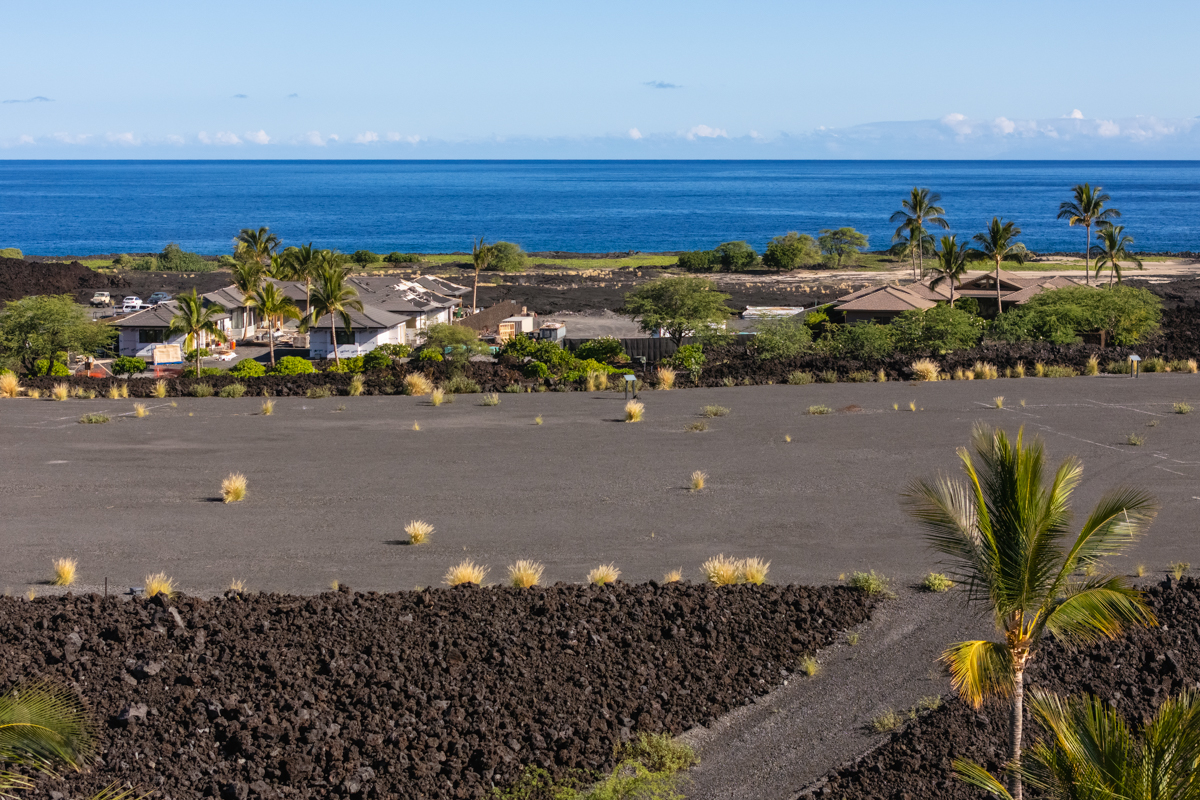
(333, 338)
(1087, 267)
(475, 292)
(999, 305)
(271, 341)
(1016, 729)
(952, 293)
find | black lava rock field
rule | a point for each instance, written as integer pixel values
(441, 693)
(1134, 673)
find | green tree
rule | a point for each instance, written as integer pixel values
(331, 296)
(843, 243)
(481, 256)
(951, 265)
(735, 256)
(193, 318)
(863, 341)
(463, 342)
(255, 245)
(791, 251)
(1112, 251)
(37, 327)
(999, 243)
(173, 258)
(782, 337)
(1087, 209)
(698, 261)
(507, 257)
(1091, 754)
(920, 209)
(303, 264)
(275, 307)
(942, 329)
(247, 276)
(1006, 535)
(677, 305)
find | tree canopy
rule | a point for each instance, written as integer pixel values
(37, 327)
(678, 305)
(1061, 316)
(841, 244)
(941, 329)
(791, 251)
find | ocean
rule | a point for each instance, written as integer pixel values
(89, 207)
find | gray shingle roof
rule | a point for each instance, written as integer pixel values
(370, 318)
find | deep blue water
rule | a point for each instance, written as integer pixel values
(85, 207)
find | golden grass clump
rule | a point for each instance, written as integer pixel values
(912, 405)
(605, 573)
(61, 391)
(10, 384)
(124, 390)
(998, 401)
(634, 411)
(417, 385)
(1182, 408)
(1019, 370)
(160, 389)
(140, 410)
(268, 407)
(809, 666)
(673, 576)
(437, 397)
(937, 582)
(665, 379)
(233, 488)
(416, 426)
(34, 394)
(237, 586)
(1093, 365)
(925, 370)
(722, 570)
(818, 410)
(32, 593)
(881, 377)
(466, 571)
(1191, 366)
(357, 383)
(754, 570)
(986, 371)
(64, 571)
(698, 479)
(538, 420)
(525, 574)
(490, 399)
(113, 392)
(159, 583)
(1039, 369)
(595, 381)
(418, 531)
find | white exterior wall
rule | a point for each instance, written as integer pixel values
(129, 345)
(364, 342)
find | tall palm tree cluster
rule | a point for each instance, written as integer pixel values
(259, 258)
(920, 212)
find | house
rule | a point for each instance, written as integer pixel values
(884, 303)
(140, 332)
(368, 329)
(243, 320)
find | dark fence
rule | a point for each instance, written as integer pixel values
(650, 349)
(489, 319)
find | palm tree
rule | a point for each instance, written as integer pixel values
(1006, 535)
(1111, 251)
(303, 263)
(481, 255)
(42, 725)
(332, 296)
(1090, 752)
(275, 306)
(1087, 209)
(920, 209)
(951, 265)
(194, 318)
(247, 275)
(999, 243)
(256, 245)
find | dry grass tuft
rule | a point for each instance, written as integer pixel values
(159, 583)
(113, 392)
(490, 399)
(61, 391)
(912, 406)
(787, 438)
(634, 411)
(140, 410)
(1179, 569)
(605, 573)
(1140, 571)
(881, 377)
(34, 394)
(418, 531)
(233, 488)
(160, 389)
(437, 397)
(237, 586)
(925, 369)
(809, 666)
(525, 574)
(998, 401)
(538, 420)
(1182, 408)
(1093, 366)
(698, 479)
(754, 570)
(124, 390)
(1039, 369)
(268, 407)
(665, 378)
(1019, 370)
(416, 426)
(466, 571)
(1135, 440)
(714, 411)
(417, 385)
(699, 426)
(853, 638)
(937, 582)
(1191, 366)
(887, 721)
(357, 384)
(673, 576)
(10, 384)
(818, 410)
(873, 583)
(986, 371)
(64, 571)
(722, 570)
(595, 381)
(94, 419)
(334, 585)
(32, 593)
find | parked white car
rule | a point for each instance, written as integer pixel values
(132, 303)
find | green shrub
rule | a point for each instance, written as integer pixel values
(828, 376)
(402, 258)
(194, 355)
(791, 251)
(1118, 367)
(248, 368)
(363, 257)
(800, 378)
(43, 366)
(1060, 372)
(714, 411)
(127, 365)
(787, 337)
(507, 257)
(937, 582)
(11, 252)
(689, 357)
(861, 376)
(461, 384)
(202, 390)
(818, 410)
(233, 390)
(393, 350)
(93, 419)
(293, 365)
(941, 329)
(1061, 316)
(1154, 364)
(348, 364)
(226, 262)
(864, 341)
(578, 370)
(735, 256)
(318, 392)
(535, 369)
(606, 349)
(658, 752)
(429, 355)
(376, 359)
(175, 259)
(698, 261)
(872, 583)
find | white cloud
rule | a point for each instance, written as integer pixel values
(333, 137)
(755, 135)
(174, 138)
(73, 138)
(1076, 114)
(366, 138)
(220, 138)
(413, 139)
(392, 136)
(1108, 128)
(314, 137)
(957, 123)
(25, 138)
(126, 138)
(706, 132)
(258, 138)
(1004, 125)
(634, 133)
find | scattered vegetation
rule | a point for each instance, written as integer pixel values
(673, 576)
(525, 574)
(466, 571)
(10, 385)
(158, 583)
(605, 573)
(437, 397)
(800, 378)
(490, 399)
(1135, 440)
(202, 390)
(665, 378)
(1182, 408)
(698, 479)
(357, 385)
(140, 410)
(937, 582)
(60, 391)
(699, 426)
(538, 420)
(998, 401)
(160, 389)
(64, 571)
(1179, 569)
(634, 411)
(418, 531)
(658, 752)
(233, 488)
(237, 586)
(754, 571)
(853, 638)
(268, 407)
(872, 583)
(94, 419)
(1059, 372)
(722, 570)
(819, 410)
(809, 666)
(887, 721)
(417, 385)
(318, 392)
(714, 411)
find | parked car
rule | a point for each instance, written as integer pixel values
(158, 297)
(132, 303)
(102, 300)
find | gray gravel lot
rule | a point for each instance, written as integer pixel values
(330, 491)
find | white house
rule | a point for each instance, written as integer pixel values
(368, 329)
(140, 332)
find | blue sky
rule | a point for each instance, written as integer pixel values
(853, 79)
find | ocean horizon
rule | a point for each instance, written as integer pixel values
(437, 206)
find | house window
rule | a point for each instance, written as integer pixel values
(151, 335)
(239, 318)
(344, 336)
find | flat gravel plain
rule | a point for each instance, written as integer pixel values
(332, 482)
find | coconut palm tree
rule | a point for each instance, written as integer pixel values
(1006, 535)
(303, 264)
(332, 296)
(247, 275)
(951, 265)
(194, 318)
(41, 726)
(275, 306)
(481, 255)
(1111, 251)
(920, 209)
(1087, 209)
(998, 243)
(1090, 753)
(256, 245)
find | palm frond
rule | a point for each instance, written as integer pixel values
(42, 724)
(1121, 517)
(1097, 609)
(946, 509)
(979, 669)
(1091, 749)
(974, 775)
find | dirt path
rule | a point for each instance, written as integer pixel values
(781, 746)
